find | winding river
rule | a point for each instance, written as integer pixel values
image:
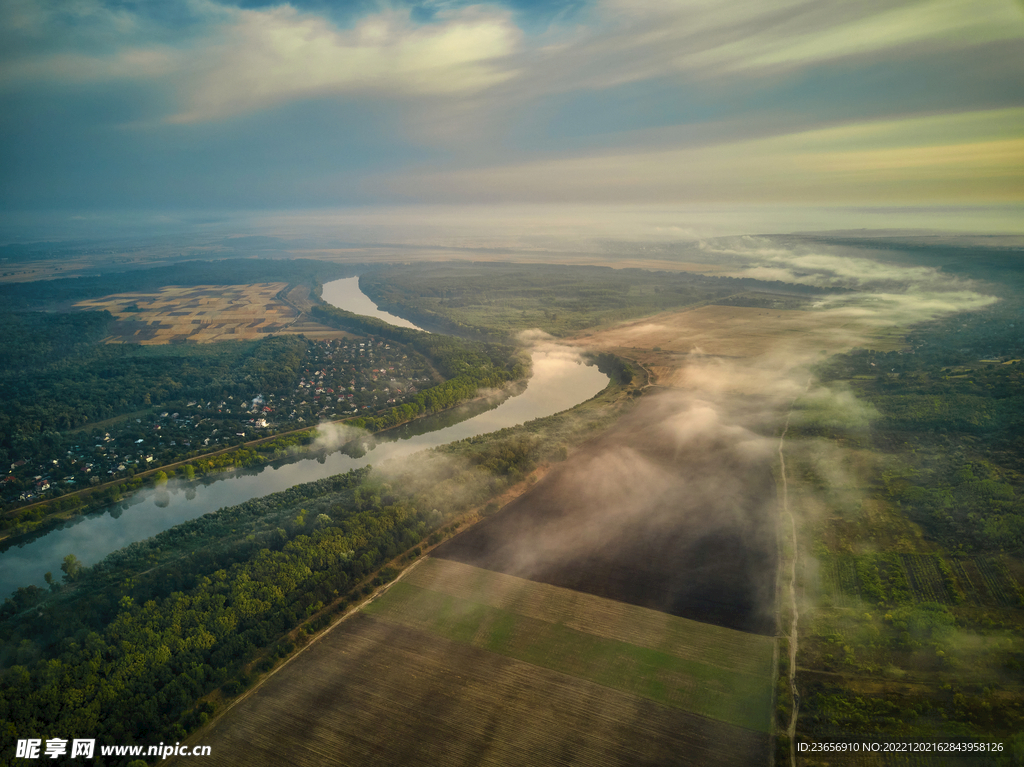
(560, 381)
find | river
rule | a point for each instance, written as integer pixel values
(559, 381)
(345, 294)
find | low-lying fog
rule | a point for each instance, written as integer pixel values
(675, 508)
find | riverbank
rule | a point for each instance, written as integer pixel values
(297, 444)
(560, 382)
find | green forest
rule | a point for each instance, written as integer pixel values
(950, 412)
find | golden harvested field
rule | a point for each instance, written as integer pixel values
(203, 314)
(374, 692)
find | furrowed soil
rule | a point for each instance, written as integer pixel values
(374, 692)
(577, 636)
(638, 516)
(690, 640)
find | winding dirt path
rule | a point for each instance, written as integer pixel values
(793, 635)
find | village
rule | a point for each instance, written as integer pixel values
(340, 378)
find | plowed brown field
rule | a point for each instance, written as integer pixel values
(374, 692)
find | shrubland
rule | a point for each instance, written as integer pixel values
(912, 537)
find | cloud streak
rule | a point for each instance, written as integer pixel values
(262, 58)
(244, 60)
(645, 103)
(972, 158)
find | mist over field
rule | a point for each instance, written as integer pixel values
(761, 487)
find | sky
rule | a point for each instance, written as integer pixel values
(161, 105)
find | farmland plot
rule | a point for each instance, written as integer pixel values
(839, 580)
(374, 692)
(203, 314)
(607, 618)
(701, 688)
(907, 577)
(999, 585)
(926, 578)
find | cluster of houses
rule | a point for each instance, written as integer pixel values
(350, 377)
(341, 378)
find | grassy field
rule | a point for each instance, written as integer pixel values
(663, 663)
(899, 638)
(203, 314)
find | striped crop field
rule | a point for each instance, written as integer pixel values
(373, 693)
(608, 618)
(703, 669)
(1001, 588)
(926, 580)
(839, 580)
(457, 666)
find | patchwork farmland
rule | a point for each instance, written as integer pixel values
(663, 663)
(608, 618)
(205, 313)
(424, 676)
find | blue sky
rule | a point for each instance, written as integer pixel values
(204, 105)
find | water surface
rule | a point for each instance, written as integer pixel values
(345, 294)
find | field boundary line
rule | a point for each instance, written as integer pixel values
(703, 689)
(794, 623)
(578, 610)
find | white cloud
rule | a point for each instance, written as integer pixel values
(246, 60)
(632, 40)
(889, 294)
(836, 30)
(265, 57)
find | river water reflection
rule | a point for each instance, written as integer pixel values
(559, 382)
(345, 294)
